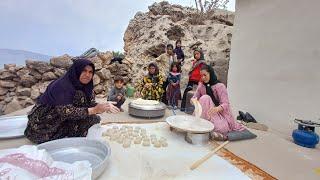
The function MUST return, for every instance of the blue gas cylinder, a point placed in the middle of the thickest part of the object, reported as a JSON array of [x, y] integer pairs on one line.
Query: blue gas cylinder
[[305, 136]]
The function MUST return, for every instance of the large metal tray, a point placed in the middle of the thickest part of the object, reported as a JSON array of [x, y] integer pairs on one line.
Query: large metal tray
[[71, 150], [12, 126]]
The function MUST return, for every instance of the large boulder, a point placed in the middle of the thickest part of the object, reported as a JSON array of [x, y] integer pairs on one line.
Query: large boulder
[[7, 84], [59, 72], [97, 62], [3, 91], [35, 74], [106, 57], [98, 89], [104, 74], [35, 93], [8, 99], [21, 91], [26, 102], [28, 80], [12, 93], [7, 75], [14, 105], [63, 61], [9, 66], [23, 71], [49, 76], [40, 66], [96, 80]]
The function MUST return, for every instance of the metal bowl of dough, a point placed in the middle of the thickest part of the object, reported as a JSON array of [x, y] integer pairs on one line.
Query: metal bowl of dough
[[70, 150], [147, 111], [12, 126]]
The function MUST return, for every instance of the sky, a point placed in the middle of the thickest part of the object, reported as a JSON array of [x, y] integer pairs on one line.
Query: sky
[[56, 27]]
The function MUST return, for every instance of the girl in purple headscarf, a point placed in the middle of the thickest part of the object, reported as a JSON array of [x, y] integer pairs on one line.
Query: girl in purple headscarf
[[67, 108]]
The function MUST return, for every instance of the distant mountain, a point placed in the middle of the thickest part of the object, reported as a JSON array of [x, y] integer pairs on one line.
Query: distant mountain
[[19, 57]]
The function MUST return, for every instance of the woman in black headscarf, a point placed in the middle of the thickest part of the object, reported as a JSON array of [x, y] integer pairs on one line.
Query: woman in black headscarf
[[67, 108], [213, 98]]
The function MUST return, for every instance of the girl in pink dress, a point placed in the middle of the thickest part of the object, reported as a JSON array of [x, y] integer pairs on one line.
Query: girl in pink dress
[[213, 97]]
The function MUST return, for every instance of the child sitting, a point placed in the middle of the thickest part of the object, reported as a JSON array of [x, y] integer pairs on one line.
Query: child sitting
[[118, 92], [173, 92]]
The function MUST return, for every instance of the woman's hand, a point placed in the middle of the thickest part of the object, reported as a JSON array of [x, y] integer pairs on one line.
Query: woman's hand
[[101, 108], [111, 108], [214, 110], [98, 109], [192, 100]]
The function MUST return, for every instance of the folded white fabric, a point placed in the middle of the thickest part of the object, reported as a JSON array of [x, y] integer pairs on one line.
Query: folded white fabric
[[28, 162]]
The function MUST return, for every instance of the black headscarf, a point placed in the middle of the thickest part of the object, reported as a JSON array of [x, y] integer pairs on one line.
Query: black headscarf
[[62, 90], [153, 77], [213, 80]]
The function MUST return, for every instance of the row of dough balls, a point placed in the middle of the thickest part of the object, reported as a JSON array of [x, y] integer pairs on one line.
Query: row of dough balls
[[126, 135]]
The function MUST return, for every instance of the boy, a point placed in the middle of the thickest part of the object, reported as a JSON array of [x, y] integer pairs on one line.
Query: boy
[[118, 92]]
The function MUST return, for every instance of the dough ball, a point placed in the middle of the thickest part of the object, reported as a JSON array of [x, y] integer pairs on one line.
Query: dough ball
[[135, 134], [126, 144], [136, 131], [146, 143], [137, 128], [157, 144], [113, 138], [153, 136], [137, 141], [146, 139], [143, 136], [144, 131], [164, 144], [162, 139], [153, 140], [120, 140]]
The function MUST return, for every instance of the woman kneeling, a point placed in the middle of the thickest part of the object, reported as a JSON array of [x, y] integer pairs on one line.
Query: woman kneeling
[[213, 97]]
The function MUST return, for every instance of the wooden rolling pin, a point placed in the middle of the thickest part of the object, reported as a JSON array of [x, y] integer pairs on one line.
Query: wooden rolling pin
[[202, 160]]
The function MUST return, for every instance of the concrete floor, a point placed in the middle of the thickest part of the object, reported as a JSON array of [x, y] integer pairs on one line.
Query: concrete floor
[[270, 151]]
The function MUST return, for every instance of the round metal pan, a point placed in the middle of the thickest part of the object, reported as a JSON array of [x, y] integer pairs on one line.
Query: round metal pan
[[71, 150], [188, 123], [160, 106], [147, 111], [12, 126]]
